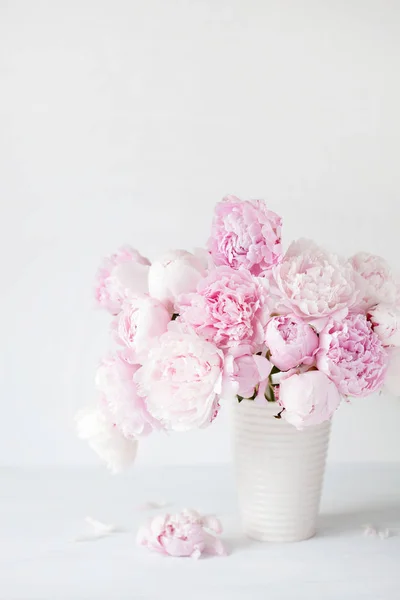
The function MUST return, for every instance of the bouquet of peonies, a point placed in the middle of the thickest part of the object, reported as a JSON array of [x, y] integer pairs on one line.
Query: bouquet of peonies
[[303, 329]]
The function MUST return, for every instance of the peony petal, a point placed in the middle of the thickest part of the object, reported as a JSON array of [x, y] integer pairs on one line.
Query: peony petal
[[264, 367]]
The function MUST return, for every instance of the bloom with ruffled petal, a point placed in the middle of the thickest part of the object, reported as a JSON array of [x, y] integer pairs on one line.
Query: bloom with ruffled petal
[[119, 396], [182, 534], [245, 234], [308, 398], [377, 282], [290, 341], [352, 356], [385, 321], [314, 284], [181, 380], [176, 272], [139, 324], [123, 273], [228, 308]]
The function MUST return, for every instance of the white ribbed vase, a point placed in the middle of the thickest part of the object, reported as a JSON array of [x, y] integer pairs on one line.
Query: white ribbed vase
[[279, 473]]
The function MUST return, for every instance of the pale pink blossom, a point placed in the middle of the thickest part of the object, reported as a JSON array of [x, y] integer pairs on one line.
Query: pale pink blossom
[[139, 325], [352, 356], [97, 428], [228, 308], [176, 272], [376, 281], [308, 398], [181, 380], [119, 396], [243, 371], [385, 321], [313, 284], [392, 379], [184, 534], [245, 234], [123, 273], [290, 341]]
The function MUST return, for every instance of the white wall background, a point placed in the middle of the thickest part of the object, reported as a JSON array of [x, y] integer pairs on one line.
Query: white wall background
[[125, 121]]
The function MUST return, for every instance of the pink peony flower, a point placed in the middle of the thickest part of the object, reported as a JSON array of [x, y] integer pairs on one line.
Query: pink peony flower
[[120, 398], [245, 234], [385, 321], [291, 342], [392, 380], [314, 284], [181, 380], [243, 371], [352, 356], [308, 398], [377, 283], [176, 272], [120, 275], [183, 534], [139, 325], [227, 309], [95, 426]]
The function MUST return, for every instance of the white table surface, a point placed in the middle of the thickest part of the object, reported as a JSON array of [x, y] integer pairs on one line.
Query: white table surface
[[43, 510]]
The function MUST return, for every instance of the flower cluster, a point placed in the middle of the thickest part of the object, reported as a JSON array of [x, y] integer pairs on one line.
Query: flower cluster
[[242, 320]]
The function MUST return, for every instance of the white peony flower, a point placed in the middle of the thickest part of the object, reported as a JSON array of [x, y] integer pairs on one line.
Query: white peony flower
[[376, 280], [123, 273], [308, 398], [105, 439], [385, 320], [120, 398], [181, 380], [314, 284], [176, 272], [139, 324]]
